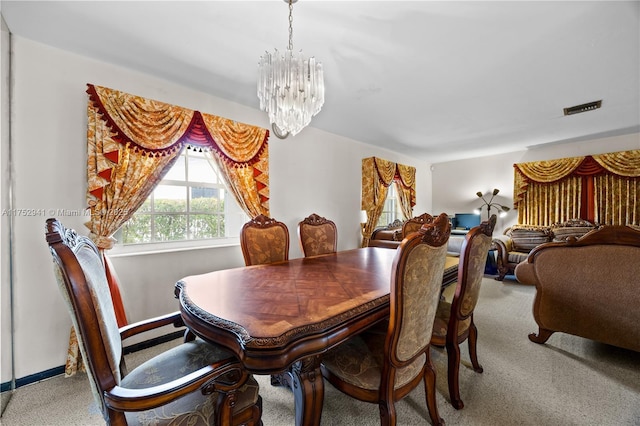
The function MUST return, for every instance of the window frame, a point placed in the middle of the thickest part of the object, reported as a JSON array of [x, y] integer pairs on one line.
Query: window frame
[[396, 213], [234, 217]]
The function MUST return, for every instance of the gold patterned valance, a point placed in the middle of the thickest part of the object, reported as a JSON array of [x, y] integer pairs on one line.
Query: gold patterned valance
[[377, 173], [152, 128], [549, 171], [622, 163], [603, 188]]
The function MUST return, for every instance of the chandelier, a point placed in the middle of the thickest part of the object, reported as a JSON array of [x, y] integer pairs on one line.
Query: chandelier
[[290, 87]]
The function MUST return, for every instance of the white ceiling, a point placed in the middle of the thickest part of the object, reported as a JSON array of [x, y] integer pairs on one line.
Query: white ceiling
[[434, 80]]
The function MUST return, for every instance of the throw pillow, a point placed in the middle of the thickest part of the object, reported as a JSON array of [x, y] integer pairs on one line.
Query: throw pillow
[[526, 237], [562, 231]]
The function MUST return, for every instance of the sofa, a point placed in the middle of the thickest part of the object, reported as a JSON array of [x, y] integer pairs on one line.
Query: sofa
[[517, 241], [587, 287], [389, 236], [392, 235]]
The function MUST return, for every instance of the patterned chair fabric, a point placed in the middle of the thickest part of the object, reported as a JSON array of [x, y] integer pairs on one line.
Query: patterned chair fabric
[[317, 236], [382, 365], [222, 395], [415, 223], [264, 240], [454, 320]]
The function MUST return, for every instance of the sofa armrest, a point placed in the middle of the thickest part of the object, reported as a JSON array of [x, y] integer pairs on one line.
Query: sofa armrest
[[503, 245], [525, 273]]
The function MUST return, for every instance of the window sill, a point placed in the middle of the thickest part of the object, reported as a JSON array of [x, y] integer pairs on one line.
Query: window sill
[[161, 248]]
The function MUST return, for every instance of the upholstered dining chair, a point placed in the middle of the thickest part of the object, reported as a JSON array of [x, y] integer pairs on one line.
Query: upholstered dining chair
[[382, 366], [454, 320], [415, 223], [264, 240], [317, 235], [193, 383]]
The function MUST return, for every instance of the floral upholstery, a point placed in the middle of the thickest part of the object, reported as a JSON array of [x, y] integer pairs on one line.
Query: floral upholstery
[[93, 268], [191, 410], [441, 321], [60, 279], [415, 223], [421, 292], [317, 235], [99, 287], [475, 273], [359, 362], [453, 322], [81, 277], [265, 245], [264, 240], [382, 364]]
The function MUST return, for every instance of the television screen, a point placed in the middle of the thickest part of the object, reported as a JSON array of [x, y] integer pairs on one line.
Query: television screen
[[466, 220]]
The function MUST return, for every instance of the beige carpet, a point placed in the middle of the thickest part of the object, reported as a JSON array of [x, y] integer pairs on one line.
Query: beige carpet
[[568, 381]]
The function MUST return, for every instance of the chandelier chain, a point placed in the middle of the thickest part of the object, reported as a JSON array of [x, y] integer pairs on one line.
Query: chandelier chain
[[291, 25]]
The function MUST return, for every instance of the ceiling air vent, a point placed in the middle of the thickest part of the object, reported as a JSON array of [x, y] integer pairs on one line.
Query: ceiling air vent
[[583, 108]]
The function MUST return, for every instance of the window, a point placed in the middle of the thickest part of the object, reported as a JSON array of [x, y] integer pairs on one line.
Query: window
[[191, 203], [391, 210]]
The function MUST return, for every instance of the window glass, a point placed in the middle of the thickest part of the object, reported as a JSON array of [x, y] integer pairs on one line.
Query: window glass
[[188, 204], [391, 210]]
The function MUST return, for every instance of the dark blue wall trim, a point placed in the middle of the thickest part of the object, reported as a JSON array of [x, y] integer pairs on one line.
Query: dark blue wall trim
[[56, 371]]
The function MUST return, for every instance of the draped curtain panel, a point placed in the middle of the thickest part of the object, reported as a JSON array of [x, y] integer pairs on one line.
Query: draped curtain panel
[[406, 186], [601, 188], [377, 176], [132, 142]]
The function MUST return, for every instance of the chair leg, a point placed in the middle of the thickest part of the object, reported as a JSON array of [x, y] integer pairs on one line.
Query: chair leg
[[472, 341], [502, 272], [386, 403], [430, 391], [387, 412], [453, 369]]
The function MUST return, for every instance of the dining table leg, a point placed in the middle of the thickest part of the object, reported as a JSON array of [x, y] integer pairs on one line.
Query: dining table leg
[[308, 390]]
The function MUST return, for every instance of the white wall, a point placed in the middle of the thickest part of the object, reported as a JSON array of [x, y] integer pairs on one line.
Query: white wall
[[5, 291], [455, 183], [312, 172]]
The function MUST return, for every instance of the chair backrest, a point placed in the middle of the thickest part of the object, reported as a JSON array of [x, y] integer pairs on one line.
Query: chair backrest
[[473, 259], [317, 235], [416, 282], [264, 240], [79, 270], [415, 223]]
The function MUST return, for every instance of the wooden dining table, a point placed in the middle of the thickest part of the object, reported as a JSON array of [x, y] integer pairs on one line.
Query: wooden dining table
[[279, 318]]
